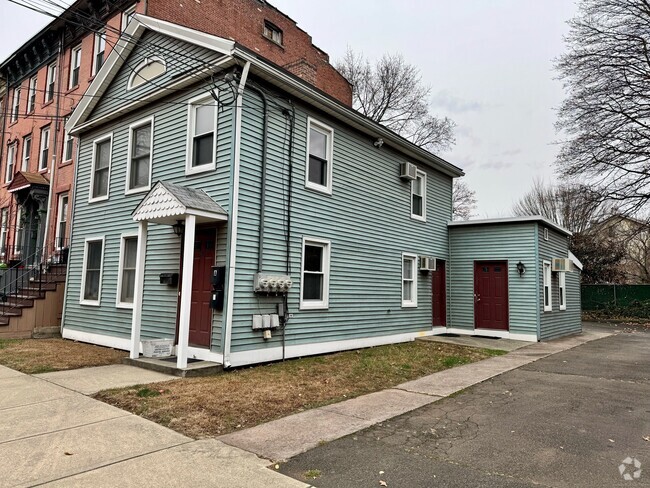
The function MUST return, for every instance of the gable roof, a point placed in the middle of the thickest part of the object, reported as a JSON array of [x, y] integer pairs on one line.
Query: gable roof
[[280, 77], [167, 201]]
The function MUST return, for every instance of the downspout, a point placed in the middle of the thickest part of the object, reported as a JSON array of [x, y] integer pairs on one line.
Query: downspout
[[57, 120], [234, 210], [288, 237], [260, 257], [75, 177]]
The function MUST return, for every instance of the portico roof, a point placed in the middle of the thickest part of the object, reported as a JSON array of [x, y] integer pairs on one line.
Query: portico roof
[[23, 180], [167, 203]]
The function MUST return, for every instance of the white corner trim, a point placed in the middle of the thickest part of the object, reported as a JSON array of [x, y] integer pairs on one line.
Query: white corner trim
[[234, 211], [99, 339], [136, 125], [254, 356]]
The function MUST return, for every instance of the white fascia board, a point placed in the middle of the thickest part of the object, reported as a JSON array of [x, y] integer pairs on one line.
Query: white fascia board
[[511, 220]]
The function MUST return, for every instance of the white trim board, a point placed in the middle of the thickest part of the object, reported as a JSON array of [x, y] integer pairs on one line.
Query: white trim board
[[121, 343], [502, 334], [204, 354], [255, 356]]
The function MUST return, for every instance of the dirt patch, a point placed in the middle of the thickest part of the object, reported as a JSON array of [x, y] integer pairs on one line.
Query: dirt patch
[[216, 405], [34, 356]]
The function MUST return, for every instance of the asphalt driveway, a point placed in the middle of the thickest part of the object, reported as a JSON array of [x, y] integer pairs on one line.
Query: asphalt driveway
[[568, 420]]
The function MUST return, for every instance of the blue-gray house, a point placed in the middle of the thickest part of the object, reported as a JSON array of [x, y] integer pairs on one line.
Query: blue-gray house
[[226, 204]]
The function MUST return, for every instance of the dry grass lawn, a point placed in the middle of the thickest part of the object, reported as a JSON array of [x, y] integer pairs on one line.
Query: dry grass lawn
[[215, 405], [34, 356]]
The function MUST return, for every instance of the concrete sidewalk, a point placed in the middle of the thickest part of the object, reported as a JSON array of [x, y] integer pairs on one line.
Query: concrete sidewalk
[[51, 435], [287, 437]]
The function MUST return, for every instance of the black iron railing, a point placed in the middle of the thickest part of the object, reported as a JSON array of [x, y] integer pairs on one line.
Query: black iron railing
[[26, 277]]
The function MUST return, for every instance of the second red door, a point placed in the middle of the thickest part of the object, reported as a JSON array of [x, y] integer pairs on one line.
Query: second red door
[[491, 295]]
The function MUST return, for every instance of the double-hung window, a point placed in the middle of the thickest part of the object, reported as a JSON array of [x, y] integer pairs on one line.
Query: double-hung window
[[92, 271], [318, 174], [75, 64], [45, 149], [138, 172], [419, 196], [272, 32], [68, 146], [315, 274], [62, 221], [126, 276], [202, 130], [127, 15], [101, 170], [548, 297], [27, 151], [31, 98], [409, 281], [562, 289], [11, 161], [99, 50], [15, 104], [4, 225], [50, 82]]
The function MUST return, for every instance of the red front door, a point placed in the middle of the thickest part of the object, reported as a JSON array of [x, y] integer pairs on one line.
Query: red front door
[[491, 295], [439, 295], [201, 313]]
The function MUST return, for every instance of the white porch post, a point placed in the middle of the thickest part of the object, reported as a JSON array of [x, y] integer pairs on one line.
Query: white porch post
[[138, 290], [186, 293]]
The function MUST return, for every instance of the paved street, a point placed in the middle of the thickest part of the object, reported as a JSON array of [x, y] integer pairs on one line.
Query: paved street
[[567, 420]]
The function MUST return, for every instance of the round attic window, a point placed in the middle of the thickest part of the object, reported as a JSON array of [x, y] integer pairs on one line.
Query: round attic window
[[147, 70]]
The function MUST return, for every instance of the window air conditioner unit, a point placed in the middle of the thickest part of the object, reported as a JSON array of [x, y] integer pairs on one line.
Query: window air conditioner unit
[[427, 263], [561, 264], [408, 171]]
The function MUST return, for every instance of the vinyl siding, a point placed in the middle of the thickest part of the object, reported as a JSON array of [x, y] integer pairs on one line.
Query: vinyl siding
[[112, 217], [153, 44], [366, 219], [506, 242], [558, 322]]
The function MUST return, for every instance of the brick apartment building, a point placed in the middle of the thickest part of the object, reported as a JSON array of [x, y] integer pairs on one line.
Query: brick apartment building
[[44, 80]]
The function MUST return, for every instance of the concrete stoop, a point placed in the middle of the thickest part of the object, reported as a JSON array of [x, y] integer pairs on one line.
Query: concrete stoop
[[168, 366]]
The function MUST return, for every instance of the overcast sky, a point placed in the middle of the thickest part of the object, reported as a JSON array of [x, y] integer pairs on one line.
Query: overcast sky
[[489, 64]]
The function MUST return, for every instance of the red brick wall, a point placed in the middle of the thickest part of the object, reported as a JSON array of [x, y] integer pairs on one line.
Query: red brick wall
[[243, 22]]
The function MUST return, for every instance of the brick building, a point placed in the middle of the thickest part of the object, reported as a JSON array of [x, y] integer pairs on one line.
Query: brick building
[[44, 80]]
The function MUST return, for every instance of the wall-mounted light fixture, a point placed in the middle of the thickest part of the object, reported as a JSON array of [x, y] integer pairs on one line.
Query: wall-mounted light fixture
[[179, 228], [378, 143], [521, 269]]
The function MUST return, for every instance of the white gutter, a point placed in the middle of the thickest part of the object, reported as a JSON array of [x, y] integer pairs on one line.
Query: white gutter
[[234, 211]]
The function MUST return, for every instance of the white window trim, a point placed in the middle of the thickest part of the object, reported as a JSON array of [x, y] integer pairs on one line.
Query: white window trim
[[132, 127], [15, 105], [145, 62], [67, 137], [4, 230], [82, 300], [31, 94], [125, 15], [423, 217], [59, 214], [72, 67], [547, 281], [43, 165], [409, 303], [330, 156], [327, 249], [99, 35], [24, 165], [189, 169], [9, 175], [118, 295], [50, 79], [562, 289], [97, 141]]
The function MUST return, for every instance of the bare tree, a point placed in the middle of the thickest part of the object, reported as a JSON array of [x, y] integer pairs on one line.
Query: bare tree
[[606, 112], [391, 92], [463, 201], [574, 207]]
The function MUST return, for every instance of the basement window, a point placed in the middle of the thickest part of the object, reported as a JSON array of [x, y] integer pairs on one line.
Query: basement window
[[273, 32]]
